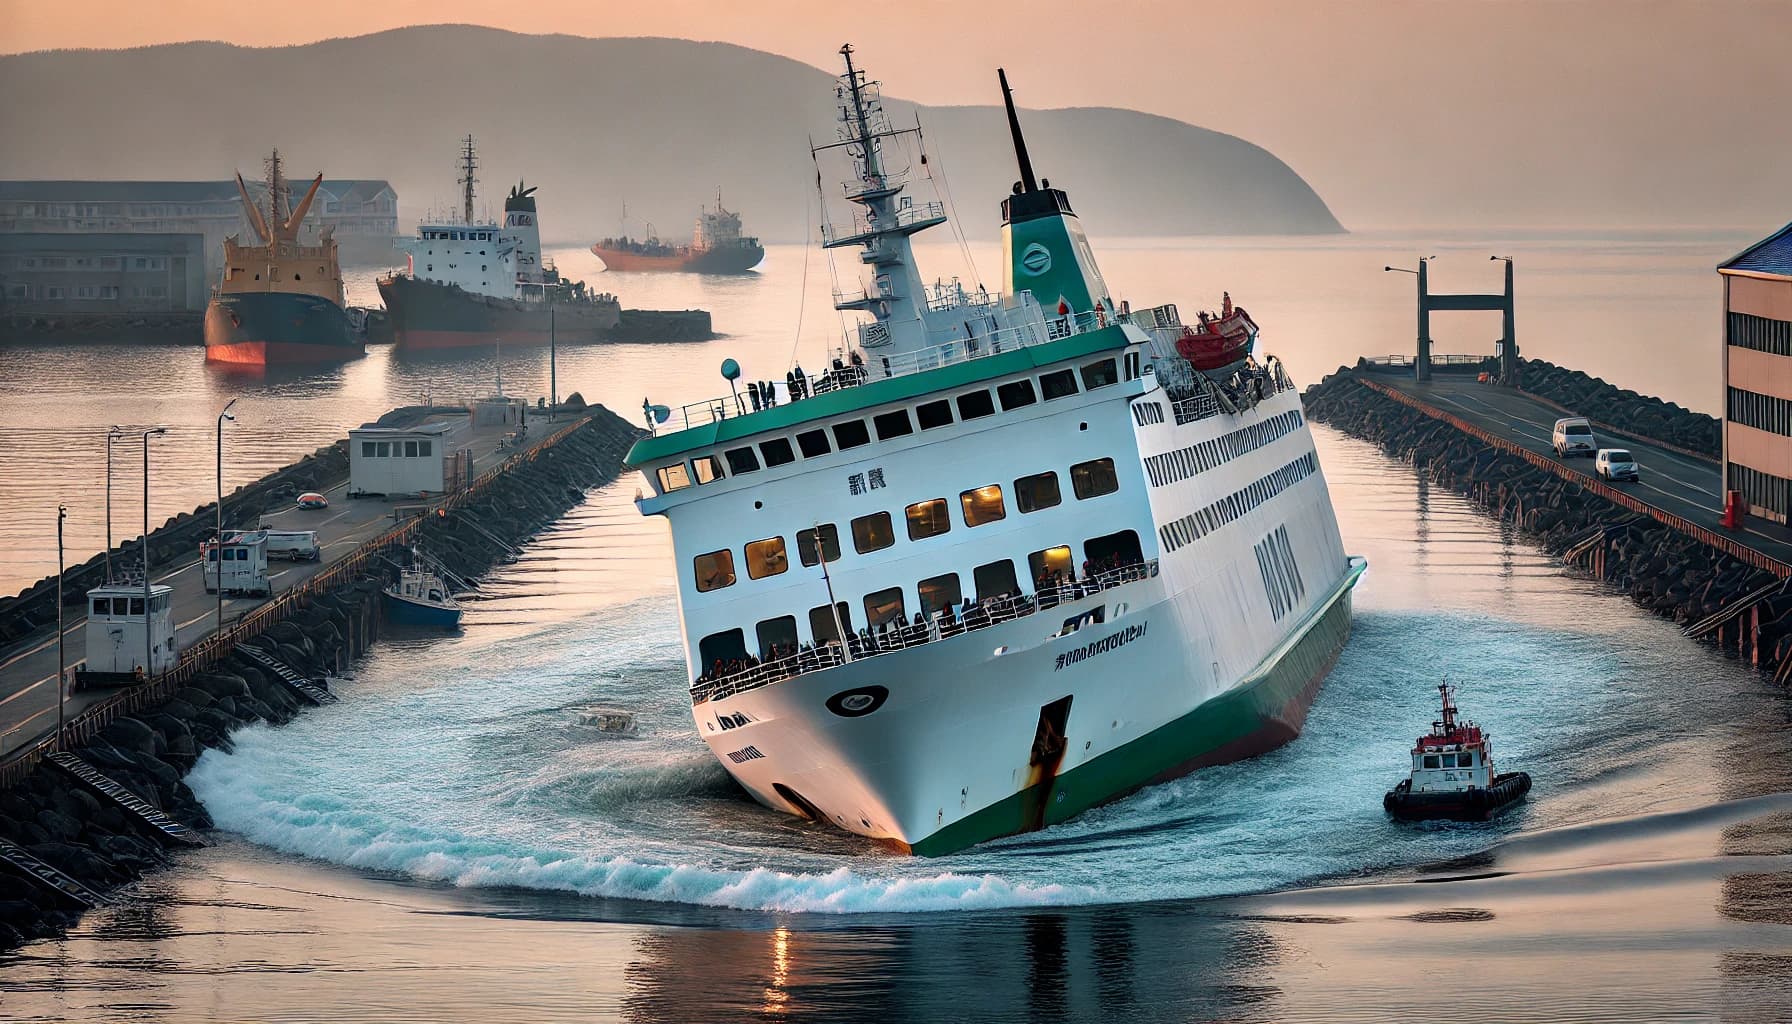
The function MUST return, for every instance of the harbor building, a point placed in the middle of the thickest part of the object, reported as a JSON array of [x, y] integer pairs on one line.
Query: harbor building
[[1758, 375], [421, 459], [364, 213], [103, 272]]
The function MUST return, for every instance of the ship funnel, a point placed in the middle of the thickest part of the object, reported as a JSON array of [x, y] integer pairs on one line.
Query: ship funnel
[[523, 233], [1044, 250]]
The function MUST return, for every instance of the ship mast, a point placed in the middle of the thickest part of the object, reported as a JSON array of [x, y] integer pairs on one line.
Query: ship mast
[[279, 193], [468, 164]]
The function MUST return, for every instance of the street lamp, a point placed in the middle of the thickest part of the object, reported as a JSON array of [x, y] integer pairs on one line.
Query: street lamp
[[113, 433], [218, 541], [148, 661], [1422, 361], [61, 658]]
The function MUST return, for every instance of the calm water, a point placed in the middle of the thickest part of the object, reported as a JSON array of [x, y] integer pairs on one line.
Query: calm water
[[449, 844]]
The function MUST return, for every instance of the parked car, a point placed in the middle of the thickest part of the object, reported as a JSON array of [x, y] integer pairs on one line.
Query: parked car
[[293, 545], [1573, 436], [1615, 464], [312, 499]]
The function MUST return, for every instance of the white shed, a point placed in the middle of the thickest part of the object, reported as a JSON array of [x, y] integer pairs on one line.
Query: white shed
[[401, 460], [115, 628]]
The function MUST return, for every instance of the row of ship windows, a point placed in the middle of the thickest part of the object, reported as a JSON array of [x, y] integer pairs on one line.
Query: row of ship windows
[[460, 236], [876, 531], [1197, 458], [1763, 412], [1202, 522], [936, 594], [1760, 333], [1281, 574], [1147, 413], [850, 434]]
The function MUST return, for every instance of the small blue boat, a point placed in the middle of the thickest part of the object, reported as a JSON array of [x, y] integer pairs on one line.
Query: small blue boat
[[420, 598]]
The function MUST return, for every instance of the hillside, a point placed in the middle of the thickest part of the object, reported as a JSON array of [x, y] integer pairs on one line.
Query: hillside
[[656, 123]]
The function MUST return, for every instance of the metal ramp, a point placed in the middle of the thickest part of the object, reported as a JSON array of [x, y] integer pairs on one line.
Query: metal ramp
[[27, 863], [312, 691], [116, 792]]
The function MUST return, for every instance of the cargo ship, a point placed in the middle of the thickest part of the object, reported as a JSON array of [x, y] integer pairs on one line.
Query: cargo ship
[[717, 247], [472, 283], [279, 302]]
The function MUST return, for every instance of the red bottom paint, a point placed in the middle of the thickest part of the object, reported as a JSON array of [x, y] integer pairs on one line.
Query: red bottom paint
[[277, 353]]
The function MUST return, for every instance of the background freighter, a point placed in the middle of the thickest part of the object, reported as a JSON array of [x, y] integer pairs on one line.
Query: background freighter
[[279, 302], [717, 247], [470, 284]]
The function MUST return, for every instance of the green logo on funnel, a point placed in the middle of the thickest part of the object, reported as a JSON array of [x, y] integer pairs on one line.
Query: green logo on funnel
[[1036, 260]]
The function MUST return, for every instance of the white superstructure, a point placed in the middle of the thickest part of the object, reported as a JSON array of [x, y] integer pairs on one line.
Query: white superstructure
[[1064, 564], [475, 256]]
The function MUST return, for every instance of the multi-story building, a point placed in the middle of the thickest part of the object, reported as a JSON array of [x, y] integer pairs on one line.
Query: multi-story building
[[1758, 375], [102, 272], [363, 213]]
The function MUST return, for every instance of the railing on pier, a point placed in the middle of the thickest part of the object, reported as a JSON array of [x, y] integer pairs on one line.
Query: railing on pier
[[943, 625], [206, 654]]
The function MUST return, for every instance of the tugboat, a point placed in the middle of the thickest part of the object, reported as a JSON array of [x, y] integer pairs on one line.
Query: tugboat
[[1452, 774], [420, 598]]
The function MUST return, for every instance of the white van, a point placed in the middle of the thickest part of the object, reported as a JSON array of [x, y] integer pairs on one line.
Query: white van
[[294, 545], [1615, 464], [1573, 436]]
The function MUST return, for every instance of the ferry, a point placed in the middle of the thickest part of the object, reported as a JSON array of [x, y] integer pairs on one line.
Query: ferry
[[1010, 557], [279, 302], [471, 283], [1453, 775]]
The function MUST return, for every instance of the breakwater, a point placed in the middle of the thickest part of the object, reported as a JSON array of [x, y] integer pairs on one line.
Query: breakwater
[[147, 737], [1715, 586]]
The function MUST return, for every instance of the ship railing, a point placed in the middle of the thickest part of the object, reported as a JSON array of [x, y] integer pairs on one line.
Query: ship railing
[[893, 636], [863, 227], [871, 183]]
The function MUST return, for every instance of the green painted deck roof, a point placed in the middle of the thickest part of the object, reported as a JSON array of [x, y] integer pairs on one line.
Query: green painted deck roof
[[848, 400]]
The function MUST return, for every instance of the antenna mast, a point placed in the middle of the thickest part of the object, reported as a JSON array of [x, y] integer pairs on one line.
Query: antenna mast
[[468, 164], [1020, 143]]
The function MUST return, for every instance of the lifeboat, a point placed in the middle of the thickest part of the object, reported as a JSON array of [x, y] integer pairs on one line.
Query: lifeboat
[[1219, 339], [1452, 774]]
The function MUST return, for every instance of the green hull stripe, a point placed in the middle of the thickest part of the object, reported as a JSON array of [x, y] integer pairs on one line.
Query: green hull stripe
[[896, 389], [1256, 704]]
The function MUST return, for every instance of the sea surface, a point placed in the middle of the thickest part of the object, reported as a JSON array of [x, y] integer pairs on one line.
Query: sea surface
[[449, 844]]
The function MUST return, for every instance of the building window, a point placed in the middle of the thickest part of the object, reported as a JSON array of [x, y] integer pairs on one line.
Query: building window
[[1016, 393], [821, 622], [741, 460], [975, 404], [779, 633], [934, 414], [382, 449], [766, 558], [1094, 478], [709, 468], [777, 451], [1057, 384], [928, 519], [830, 544], [884, 607], [367, 450], [982, 505], [1050, 565], [813, 443], [1038, 491], [410, 449], [1760, 333], [851, 434], [714, 570], [674, 477], [892, 424], [424, 449], [1099, 375], [939, 593], [873, 532], [995, 579]]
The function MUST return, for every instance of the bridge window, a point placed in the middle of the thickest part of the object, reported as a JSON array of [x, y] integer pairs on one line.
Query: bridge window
[[672, 478], [995, 579], [779, 632], [741, 460], [872, 533], [1038, 491], [1099, 375], [777, 451], [767, 558], [883, 607], [975, 404], [928, 519], [1057, 384], [1015, 394], [1050, 562], [102, 606], [814, 443], [851, 434], [892, 424], [1093, 478], [939, 593], [821, 622], [709, 468], [934, 414], [830, 544], [982, 505], [714, 570]]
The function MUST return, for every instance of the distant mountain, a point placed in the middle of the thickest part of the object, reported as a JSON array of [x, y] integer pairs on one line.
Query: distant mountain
[[658, 124]]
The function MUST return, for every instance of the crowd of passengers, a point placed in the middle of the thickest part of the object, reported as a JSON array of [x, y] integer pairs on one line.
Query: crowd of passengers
[[782, 661], [763, 394]]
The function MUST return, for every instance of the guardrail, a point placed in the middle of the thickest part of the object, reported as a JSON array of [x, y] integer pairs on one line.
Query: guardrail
[[1741, 552], [208, 652]]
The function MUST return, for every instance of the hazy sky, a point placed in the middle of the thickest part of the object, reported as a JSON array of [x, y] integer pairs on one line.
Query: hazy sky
[[1398, 111]]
